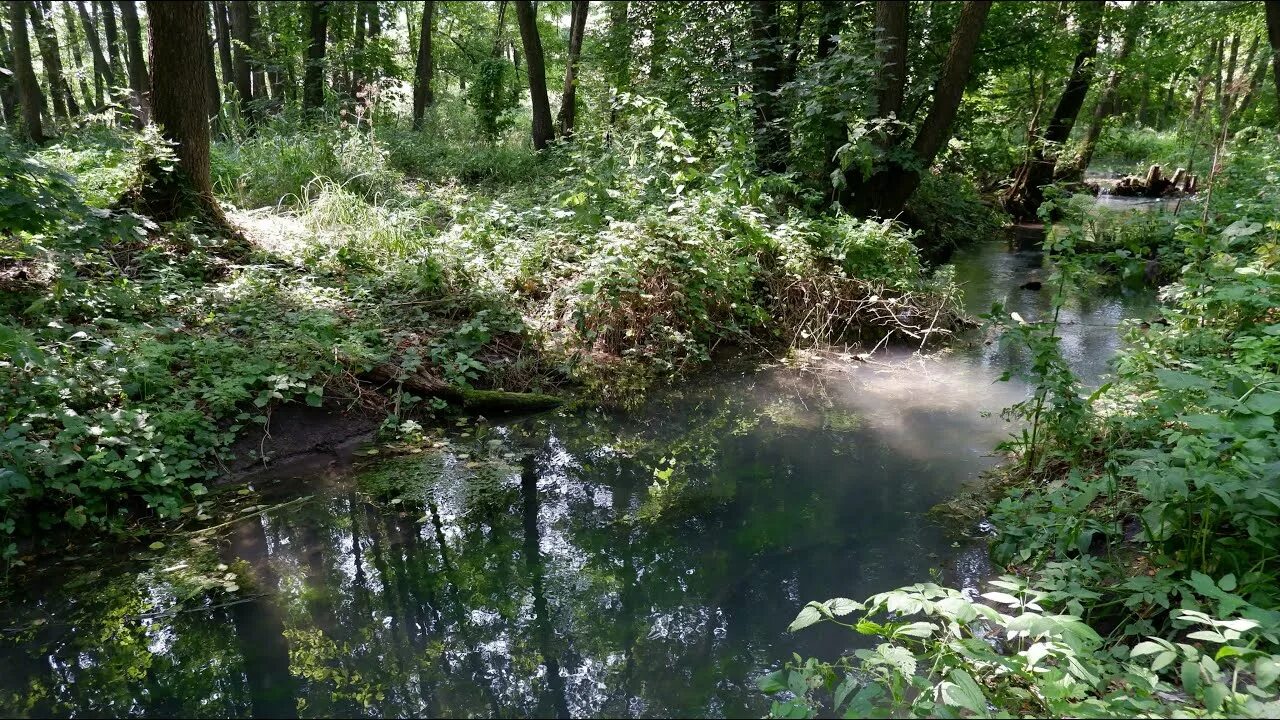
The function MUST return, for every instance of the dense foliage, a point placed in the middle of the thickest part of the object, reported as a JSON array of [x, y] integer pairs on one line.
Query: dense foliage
[[373, 232]]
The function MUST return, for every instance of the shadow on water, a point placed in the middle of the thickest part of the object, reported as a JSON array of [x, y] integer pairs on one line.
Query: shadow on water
[[579, 563]]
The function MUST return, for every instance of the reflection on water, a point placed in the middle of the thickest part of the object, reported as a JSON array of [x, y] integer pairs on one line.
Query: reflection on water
[[580, 563]]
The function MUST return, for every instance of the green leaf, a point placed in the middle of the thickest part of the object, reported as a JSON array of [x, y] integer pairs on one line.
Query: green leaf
[[843, 606], [808, 616], [773, 682], [849, 684], [1263, 403], [157, 545], [964, 692]]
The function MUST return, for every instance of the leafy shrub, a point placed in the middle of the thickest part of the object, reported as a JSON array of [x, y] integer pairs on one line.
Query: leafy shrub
[[948, 213]]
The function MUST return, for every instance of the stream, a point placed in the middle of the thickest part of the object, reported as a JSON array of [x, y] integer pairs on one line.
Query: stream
[[580, 563]]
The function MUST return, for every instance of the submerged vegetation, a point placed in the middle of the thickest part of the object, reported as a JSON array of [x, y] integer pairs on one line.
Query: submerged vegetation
[[367, 207]]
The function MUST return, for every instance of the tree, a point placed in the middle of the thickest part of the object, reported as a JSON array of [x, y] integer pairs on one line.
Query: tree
[[891, 53], [8, 88], [64, 102], [569, 98], [618, 41], [241, 71], [313, 80], [137, 65], [29, 96], [107, 11], [73, 40], [766, 83], [222, 32], [1105, 105], [422, 77], [104, 76], [542, 127], [1026, 193], [1273, 36], [886, 192], [179, 50]]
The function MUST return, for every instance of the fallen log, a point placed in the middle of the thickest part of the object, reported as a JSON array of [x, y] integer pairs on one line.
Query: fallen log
[[425, 384]]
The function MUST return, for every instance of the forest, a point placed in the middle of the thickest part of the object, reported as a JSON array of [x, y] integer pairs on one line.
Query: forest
[[563, 358]]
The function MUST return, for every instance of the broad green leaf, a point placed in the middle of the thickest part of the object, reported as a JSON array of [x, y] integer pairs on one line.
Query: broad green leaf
[[808, 616]]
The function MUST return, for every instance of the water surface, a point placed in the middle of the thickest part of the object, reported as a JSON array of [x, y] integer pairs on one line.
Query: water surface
[[576, 563]]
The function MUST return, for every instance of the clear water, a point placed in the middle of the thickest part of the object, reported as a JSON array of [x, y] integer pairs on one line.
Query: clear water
[[551, 566]]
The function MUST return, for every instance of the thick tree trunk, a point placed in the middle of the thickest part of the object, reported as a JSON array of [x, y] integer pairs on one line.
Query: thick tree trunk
[[766, 81], [104, 75], [1273, 36], [137, 65], [835, 132], [73, 39], [542, 127], [115, 53], [423, 95], [211, 83], [1106, 99], [569, 98], [222, 33], [257, 48], [241, 66], [313, 80], [1025, 196], [891, 57], [64, 103], [8, 87], [618, 42], [887, 191], [29, 96], [179, 45]]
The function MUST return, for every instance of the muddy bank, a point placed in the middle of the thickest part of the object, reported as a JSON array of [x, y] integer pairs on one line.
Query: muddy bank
[[299, 440]]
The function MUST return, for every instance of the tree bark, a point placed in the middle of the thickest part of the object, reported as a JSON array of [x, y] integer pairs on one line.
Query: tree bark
[[891, 57], [569, 98], [1273, 36], [256, 50], [91, 99], [1026, 194], [30, 98], [835, 132], [8, 88], [542, 127], [107, 11], [888, 190], [64, 103], [619, 46], [241, 67], [313, 80], [766, 82], [423, 95], [104, 75], [211, 82], [137, 65], [1106, 99], [179, 45], [222, 31]]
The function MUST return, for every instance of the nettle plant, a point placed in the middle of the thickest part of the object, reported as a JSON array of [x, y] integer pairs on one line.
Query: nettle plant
[[936, 652]]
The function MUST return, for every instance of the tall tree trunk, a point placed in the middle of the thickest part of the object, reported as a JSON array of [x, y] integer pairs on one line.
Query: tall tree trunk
[[542, 128], [313, 81], [8, 87], [423, 95], [107, 12], [1106, 99], [891, 57], [29, 96], [1228, 90], [51, 58], [1025, 196], [104, 75], [569, 98], [835, 131], [211, 83], [1255, 83], [179, 45], [766, 81], [73, 40], [222, 31], [1273, 36], [888, 190], [241, 67], [137, 65], [256, 50], [618, 42], [358, 49]]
